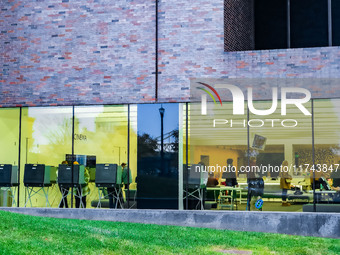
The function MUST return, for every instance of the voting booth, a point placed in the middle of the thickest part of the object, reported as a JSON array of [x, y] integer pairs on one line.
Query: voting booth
[[8, 176], [109, 176], [9, 181], [37, 176], [71, 176], [196, 177]]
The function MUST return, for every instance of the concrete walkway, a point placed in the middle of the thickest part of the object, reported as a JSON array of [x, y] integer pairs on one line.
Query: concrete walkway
[[293, 223]]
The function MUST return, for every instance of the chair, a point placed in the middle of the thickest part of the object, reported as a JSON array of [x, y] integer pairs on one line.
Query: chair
[[227, 196]]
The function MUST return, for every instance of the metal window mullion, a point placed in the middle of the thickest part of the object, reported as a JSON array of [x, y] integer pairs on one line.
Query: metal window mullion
[[156, 50], [186, 156], [128, 158], [330, 38], [72, 177], [313, 155], [248, 157], [19, 156]]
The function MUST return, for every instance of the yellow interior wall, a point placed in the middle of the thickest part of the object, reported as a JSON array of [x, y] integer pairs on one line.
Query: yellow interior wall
[[9, 128], [218, 155]]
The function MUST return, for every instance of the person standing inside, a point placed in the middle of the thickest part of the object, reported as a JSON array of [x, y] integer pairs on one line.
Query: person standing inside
[[230, 174], [285, 181], [64, 191], [112, 192], [255, 185], [82, 191], [126, 175]]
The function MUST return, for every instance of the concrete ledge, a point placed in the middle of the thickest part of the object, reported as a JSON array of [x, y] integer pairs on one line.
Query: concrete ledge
[[306, 224]]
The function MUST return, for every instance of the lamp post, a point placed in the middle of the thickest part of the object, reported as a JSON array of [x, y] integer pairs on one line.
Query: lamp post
[[161, 112]]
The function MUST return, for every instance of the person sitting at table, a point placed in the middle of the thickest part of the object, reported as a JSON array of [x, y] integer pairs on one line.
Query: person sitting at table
[[230, 176], [320, 179], [320, 182], [212, 180], [335, 176]]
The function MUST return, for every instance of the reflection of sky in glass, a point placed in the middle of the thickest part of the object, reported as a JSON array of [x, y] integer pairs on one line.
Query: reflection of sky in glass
[[86, 117], [133, 117], [47, 120], [149, 120], [50, 119]]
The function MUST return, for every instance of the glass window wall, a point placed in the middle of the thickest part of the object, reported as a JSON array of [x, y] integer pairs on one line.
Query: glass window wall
[[46, 137], [218, 144], [135, 156], [157, 155], [100, 139], [281, 150], [327, 151]]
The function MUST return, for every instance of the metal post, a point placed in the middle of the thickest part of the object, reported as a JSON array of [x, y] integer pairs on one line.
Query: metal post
[[19, 156], [162, 134], [26, 149], [119, 155], [72, 177], [248, 157], [313, 150], [186, 156], [128, 158]]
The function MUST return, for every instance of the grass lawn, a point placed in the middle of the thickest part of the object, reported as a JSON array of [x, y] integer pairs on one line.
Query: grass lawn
[[22, 234]]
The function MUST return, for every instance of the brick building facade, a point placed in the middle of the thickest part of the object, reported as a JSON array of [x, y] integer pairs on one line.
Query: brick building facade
[[103, 52]]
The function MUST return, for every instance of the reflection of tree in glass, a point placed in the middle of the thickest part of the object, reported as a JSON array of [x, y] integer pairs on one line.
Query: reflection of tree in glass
[[147, 146], [62, 135], [174, 141], [60, 143]]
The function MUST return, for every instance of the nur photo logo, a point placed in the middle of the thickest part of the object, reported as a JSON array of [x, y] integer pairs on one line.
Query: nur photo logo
[[282, 96]]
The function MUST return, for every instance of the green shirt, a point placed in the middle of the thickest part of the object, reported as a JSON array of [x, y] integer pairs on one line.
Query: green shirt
[[125, 175]]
